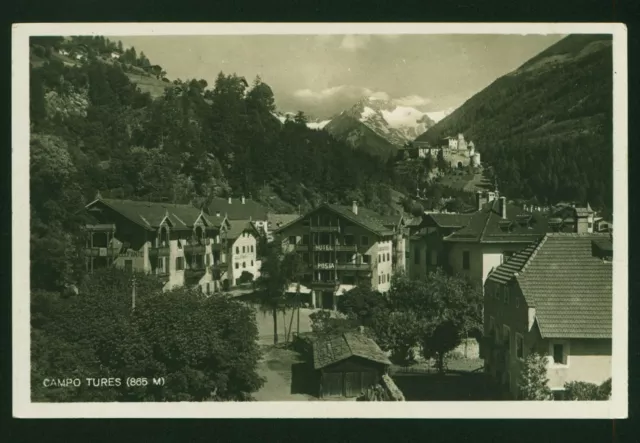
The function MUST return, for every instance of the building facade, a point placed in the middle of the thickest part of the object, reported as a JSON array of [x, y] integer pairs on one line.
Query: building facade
[[344, 247], [177, 243], [243, 265], [555, 298]]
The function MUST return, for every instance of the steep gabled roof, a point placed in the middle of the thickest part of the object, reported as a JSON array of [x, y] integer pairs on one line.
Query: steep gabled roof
[[445, 220], [236, 210], [488, 226], [150, 215], [330, 350], [368, 219], [277, 220], [237, 227], [563, 277]]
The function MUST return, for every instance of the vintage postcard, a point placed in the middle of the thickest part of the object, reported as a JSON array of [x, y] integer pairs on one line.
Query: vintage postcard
[[320, 220]]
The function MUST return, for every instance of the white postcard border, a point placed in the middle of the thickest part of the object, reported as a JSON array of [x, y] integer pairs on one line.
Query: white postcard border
[[616, 407]]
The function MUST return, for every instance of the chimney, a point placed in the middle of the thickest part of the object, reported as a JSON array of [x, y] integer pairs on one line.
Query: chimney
[[243, 199], [354, 207], [503, 207], [229, 200]]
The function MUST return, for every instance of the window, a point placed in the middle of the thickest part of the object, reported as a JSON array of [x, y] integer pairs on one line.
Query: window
[[237, 250], [558, 354], [506, 255], [388, 256], [292, 240], [416, 256], [244, 264], [364, 240], [179, 263], [128, 265], [519, 346], [506, 336], [251, 262], [349, 240], [366, 259], [251, 248], [379, 279], [305, 239], [434, 257], [161, 264], [465, 260], [207, 260], [505, 295], [492, 326], [237, 265], [590, 225], [517, 300]]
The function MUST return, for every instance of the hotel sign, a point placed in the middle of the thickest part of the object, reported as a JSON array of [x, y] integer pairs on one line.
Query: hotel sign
[[323, 248], [325, 265], [131, 253]]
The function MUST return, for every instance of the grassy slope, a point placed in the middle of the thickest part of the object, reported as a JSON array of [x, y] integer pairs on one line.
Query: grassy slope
[[561, 92]]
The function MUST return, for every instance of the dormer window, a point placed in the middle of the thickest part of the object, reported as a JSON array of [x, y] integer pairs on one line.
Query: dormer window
[[505, 225]]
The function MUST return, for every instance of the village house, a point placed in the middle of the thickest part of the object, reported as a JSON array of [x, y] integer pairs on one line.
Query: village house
[[569, 218], [492, 234], [426, 251], [241, 241], [178, 243], [347, 364], [276, 221], [240, 209], [344, 247], [553, 297]]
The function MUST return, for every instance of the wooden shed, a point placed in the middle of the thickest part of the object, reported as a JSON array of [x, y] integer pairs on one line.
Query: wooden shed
[[347, 364]]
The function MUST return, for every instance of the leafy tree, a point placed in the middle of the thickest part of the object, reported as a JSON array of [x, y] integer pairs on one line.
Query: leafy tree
[[205, 346], [278, 270], [533, 378], [397, 332], [324, 323], [360, 304]]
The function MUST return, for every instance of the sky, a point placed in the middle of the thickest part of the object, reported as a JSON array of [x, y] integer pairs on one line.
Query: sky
[[325, 74]]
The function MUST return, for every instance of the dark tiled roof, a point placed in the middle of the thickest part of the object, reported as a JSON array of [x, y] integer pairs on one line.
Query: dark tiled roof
[[237, 227], [365, 217], [450, 220], [485, 226], [569, 286], [277, 220], [250, 210], [327, 351], [151, 214]]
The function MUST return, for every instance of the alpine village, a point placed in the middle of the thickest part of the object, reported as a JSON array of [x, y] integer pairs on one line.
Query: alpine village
[[196, 233]]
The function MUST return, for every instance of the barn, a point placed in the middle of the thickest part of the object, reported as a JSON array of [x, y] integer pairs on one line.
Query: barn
[[347, 364]]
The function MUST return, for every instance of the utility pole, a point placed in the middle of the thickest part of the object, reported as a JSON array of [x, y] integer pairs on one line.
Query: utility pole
[[133, 293]]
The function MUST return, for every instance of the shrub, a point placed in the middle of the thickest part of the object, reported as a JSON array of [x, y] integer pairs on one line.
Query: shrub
[[584, 391], [533, 378]]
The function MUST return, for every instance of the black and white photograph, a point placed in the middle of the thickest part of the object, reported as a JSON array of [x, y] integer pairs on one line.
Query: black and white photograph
[[223, 215]]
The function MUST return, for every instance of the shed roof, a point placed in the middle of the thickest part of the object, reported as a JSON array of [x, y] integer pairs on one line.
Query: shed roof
[[564, 277], [330, 350]]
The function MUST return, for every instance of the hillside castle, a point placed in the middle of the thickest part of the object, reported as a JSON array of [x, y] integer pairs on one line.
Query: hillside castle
[[455, 150]]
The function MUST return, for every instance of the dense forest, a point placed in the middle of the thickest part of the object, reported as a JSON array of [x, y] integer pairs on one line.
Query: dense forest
[[546, 128], [92, 129]]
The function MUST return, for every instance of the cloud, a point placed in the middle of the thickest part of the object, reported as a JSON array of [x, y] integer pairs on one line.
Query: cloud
[[354, 42], [412, 100], [308, 94], [376, 95]]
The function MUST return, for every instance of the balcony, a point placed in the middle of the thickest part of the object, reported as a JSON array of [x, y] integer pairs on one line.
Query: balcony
[[194, 249], [301, 248], [347, 248], [193, 275], [324, 228], [163, 251], [101, 252], [324, 284], [354, 267], [216, 246]]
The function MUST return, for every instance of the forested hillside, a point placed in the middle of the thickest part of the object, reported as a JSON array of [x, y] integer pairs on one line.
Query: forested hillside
[[546, 128], [92, 129]]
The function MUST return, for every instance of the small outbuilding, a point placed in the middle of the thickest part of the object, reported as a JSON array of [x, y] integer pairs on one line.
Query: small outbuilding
[[347, 364]]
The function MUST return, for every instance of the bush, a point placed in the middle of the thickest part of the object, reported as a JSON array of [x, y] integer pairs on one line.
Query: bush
[[584, 391], [533, 378]]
